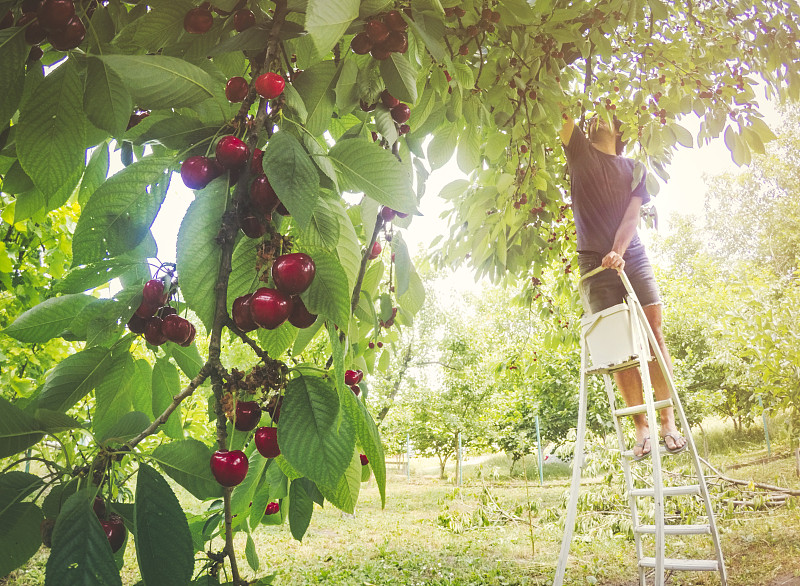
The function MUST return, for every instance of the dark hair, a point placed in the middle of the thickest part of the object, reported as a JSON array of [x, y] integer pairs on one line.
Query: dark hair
[[620, 144]]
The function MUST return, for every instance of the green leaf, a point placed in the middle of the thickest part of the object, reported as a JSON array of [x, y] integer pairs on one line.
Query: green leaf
[[81, 553], [106, 100], [186, 462], [158, 81], [163, 541], [244, 278], [161, 26], [346, 87], [312, 436], [13, 53], [402, 263], [344, 495], [442, 146], [114, 394], [50, 134], [364, 166], [327, 20], [15, 486], [73, 378], [316, 86], [348, 248], [188, 359], [119, 214], [167, 384], [400, 77], [276, 342], [98, 273], [329, 294], [125, 428], [370, 440], [94, 174], [293, 176], [48, 319], [251, 554], [178, 132], [143, 390], [18, 430], [683, 136], [430, 28], [198, 253], [323, 229], [301, 507], [244, 493], [385, 124], [414, 298]]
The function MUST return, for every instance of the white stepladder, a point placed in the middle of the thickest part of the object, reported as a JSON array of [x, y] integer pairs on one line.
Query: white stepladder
[[618, 338]]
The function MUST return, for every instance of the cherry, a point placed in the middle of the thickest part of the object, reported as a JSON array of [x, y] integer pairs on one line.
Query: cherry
[[252, 227], [176, 329], [401, 113], [388, 99], [361, 44], [55, 14], [269, 308], [272, 508], [364, 459], [257, 162], [376, 251], [243, 20], [137, 324], [192, 332], [356, 390], [388, 214], [163, 312], [137, 117], [404, 129], [248, 414], [232, 152], [367, 107], [300, 316], [198, 20], [376, 31], [153, 293], [267, 442], [199, 171], [153, 332], [293, 273], [380, 53], [99, 507], [270, 85], [34, 33], [396, 42], [236, 89], [241, 314], [281, 209], [263, 198], [7, 20], [30, 6], [145, 311], [115, 532], [352, 377], [394, 20], [229, 468]]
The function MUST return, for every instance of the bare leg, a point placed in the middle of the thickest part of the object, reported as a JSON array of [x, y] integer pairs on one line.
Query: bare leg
[[630, 387]]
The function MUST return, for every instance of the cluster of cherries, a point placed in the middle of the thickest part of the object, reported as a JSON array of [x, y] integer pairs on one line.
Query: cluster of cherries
[[157, 321], [269, 308], [352, 378], [200, 19], [484, 24], [269, 85], [112, 524], [383, 35], [53, 20]]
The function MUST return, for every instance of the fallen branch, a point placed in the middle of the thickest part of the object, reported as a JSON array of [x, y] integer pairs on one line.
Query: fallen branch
[[760, 485]]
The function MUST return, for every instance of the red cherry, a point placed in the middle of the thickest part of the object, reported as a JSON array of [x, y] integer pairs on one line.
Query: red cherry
[[163, 312], [236, 89], [115, 532], [352, 377], [153, 333], [300, 316], [7, 20], [198, 171], [404, 129], [192, 332], [293, 273], [28, 6], [243, 20], [388, 99], [356, 390], [388, 214], [380, 53], [281, 209], [229, 468], [252, 227], [361, 44], [248, 414], [232, 152], [376, 31], [364, 459], [153, 293], [99, 507], [146, 310], [34, 33], [396, 42], [257, 162], [272, 508], [267, 442], [55, 14], [241, 314], [269, 308], [394, 20], [376, 251], [198, 20], [401, 113], [176, 329], [263, 198], [270, 85], [137, 324]]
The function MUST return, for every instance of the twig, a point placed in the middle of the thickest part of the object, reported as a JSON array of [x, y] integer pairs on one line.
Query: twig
[[760, 485], [364, 260], [231, 325]]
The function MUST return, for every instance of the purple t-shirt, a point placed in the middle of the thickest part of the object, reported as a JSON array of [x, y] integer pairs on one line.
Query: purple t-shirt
[[600, 185]]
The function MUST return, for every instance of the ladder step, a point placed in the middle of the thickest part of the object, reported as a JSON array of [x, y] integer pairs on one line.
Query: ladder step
[[682, 565], [676, 529], [689, 489], [641, 408], [661, 449]]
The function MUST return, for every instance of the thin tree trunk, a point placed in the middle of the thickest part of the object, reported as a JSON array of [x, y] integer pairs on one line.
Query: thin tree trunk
[[396, 388]]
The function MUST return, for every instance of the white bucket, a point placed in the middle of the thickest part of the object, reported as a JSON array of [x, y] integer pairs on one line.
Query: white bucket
[[609, 335]]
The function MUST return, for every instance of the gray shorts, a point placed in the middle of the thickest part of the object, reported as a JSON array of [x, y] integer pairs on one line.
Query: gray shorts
[[605, 289]]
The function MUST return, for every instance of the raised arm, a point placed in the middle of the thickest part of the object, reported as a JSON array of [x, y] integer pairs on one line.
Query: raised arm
[[567, 128], [624, 235]]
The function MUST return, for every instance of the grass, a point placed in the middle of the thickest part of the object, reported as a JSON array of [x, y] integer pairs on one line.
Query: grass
[[434, 533]]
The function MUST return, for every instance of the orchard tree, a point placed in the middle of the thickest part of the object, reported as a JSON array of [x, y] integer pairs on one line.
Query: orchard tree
[[273, 112]]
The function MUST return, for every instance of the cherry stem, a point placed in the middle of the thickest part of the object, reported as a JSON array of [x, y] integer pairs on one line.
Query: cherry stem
[[364, 259]]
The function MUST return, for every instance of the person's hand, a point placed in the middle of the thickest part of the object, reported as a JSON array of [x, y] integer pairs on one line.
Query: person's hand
[[613, 260]]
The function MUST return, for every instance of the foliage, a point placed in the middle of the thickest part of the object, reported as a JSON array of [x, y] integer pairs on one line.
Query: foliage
[[146, 88]]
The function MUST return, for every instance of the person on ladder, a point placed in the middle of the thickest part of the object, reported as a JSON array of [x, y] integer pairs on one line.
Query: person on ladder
[[605, 205]]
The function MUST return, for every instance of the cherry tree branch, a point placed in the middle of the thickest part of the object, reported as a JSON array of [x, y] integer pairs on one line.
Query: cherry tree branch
[[364, 260]]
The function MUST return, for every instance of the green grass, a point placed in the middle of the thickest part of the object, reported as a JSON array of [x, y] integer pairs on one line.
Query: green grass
[[434, 533]]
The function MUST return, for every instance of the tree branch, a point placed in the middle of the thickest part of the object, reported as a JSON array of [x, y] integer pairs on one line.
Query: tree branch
[[760, 485], [364, 259]]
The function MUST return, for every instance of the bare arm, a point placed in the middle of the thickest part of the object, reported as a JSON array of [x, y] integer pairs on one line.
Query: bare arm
[[566, 129], [624, 235]]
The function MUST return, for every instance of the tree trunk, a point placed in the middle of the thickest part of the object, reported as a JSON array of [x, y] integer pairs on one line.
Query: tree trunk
[[401, 373]]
